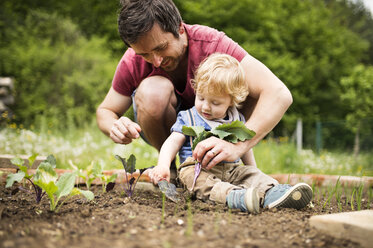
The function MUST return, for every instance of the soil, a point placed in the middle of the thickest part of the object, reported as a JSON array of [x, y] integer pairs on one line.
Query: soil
[[113, 220]]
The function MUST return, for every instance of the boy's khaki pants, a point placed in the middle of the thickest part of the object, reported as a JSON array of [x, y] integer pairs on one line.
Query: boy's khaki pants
[[216, 183]]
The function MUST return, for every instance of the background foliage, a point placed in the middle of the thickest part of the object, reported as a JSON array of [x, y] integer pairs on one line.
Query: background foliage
[[62, 55]]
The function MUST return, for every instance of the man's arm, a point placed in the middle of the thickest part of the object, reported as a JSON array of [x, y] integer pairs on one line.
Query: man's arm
[[111, 122], [268, 99], [267, 102]]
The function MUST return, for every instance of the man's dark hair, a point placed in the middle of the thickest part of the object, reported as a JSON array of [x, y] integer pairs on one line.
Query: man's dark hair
[[138, 17]]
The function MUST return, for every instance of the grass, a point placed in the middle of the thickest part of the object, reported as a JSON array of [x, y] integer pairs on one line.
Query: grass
[[80, 146], [281, 156], [84, 146]]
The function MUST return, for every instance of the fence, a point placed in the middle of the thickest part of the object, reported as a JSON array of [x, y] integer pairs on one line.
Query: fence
[[334, 135]]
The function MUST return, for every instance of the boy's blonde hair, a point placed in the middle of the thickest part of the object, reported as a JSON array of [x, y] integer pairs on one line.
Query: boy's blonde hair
[[221, 74]]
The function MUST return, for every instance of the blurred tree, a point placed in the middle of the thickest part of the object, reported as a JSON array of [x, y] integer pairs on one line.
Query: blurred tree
[[300, 41], [58, 72], [357, 94]]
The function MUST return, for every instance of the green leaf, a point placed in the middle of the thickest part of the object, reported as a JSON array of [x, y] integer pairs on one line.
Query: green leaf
[[45, 173], [52, 160], [131, 164], [65, 184], [112, 178], [236, 128], [193, 131], [16, 177], [87, 194], [97, 169], [221, 134], [204, 135], [32, 158], [123, 160], [17, 161], [231, 132]]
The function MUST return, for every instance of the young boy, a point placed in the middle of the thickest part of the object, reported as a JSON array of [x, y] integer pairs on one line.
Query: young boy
[[220, 88]]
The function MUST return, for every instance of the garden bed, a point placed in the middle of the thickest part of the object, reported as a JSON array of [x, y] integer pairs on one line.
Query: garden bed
[[112, 220]]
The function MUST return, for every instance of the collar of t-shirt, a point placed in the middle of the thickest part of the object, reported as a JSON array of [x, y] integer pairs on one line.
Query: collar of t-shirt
[[232, 115]]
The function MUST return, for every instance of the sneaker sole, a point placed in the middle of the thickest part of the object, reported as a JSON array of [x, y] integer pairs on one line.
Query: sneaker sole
[[296, 197], [252, 200]]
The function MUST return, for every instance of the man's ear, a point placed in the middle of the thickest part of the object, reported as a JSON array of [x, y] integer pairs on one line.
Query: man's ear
[[181, 28]]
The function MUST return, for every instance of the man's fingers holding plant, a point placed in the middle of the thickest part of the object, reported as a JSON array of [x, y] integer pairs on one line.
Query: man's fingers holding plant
[[213, 150], [124, 130]]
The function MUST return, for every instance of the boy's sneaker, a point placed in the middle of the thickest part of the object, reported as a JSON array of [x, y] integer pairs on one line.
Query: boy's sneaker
[[287, 196], [247, 200]]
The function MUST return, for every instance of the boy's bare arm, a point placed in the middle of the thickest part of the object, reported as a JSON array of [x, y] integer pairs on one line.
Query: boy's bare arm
[[168, 152]]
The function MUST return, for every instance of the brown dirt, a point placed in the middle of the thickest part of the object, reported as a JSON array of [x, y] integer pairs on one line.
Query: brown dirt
[[112, 220]]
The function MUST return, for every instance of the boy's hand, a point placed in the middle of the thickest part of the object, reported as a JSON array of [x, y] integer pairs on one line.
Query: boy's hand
[[158, 173]]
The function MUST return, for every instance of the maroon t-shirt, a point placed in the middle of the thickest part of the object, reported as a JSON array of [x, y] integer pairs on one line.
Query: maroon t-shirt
[[202, 41]]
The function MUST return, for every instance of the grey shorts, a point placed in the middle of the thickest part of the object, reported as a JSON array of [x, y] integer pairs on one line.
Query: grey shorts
[[142, 135]]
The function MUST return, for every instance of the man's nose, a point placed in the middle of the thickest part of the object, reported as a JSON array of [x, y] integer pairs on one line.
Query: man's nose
[[157, 60]]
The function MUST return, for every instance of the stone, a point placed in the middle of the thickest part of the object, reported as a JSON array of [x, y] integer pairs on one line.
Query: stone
[[356, 226]]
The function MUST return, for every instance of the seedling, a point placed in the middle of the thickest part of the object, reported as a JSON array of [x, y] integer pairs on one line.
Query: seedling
[[88, 175], [231, 132], [46, 178], [352, 200], [189, 229], [130, 167], [163, 208], [23, 175], [331, 193], [359, 196], [108, 182]]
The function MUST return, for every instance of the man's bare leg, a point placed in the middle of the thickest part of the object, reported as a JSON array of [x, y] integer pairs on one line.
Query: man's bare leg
[[156, 104]]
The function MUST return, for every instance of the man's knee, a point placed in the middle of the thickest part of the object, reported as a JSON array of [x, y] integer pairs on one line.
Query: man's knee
[[154, 95]]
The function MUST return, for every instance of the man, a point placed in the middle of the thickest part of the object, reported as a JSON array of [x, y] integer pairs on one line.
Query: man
[[155, 72]]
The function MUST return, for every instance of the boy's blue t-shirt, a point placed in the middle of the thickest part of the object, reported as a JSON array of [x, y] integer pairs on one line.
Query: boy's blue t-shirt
[[183, 120]]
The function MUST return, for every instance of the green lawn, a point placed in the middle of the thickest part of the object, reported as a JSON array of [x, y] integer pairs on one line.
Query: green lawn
[[84, 146]]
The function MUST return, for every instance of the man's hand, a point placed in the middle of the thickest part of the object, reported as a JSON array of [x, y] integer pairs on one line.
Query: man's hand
[[124, 130], [213, 150], [158, 173]]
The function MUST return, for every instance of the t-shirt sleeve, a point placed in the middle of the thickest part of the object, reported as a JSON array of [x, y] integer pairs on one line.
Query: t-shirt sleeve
[[228, 46], [180, 122], [123, 82]]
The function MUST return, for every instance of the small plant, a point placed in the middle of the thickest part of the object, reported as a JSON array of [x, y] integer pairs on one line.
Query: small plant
[[47, 179], [163, 208], [108, 182], [23, 175], [94, 171], [130, 167], [331, 193], [359, 196], [352, 202], [88, 175], [189, 229]]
